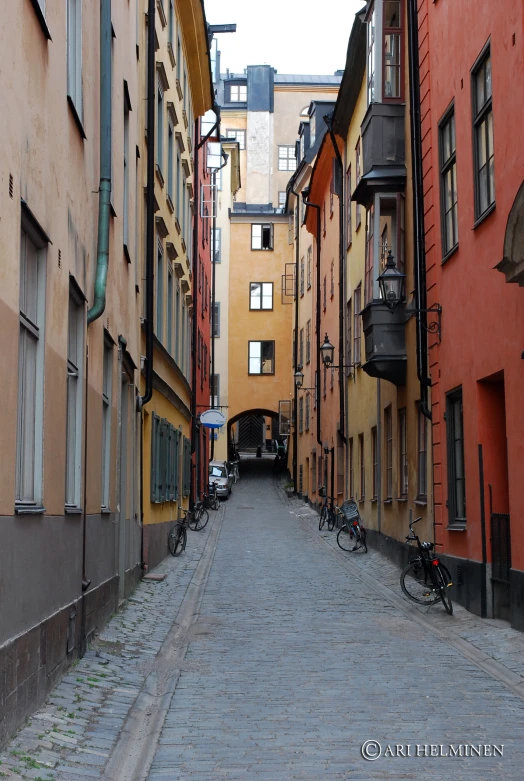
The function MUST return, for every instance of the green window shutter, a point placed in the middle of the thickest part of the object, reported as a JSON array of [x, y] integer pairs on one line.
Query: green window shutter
[[154, 462], [187, 457], [171, 463], [176, 462]]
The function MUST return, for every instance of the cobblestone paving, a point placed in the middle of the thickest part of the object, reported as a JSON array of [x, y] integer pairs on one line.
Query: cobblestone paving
[[297, 664], [72, 736]]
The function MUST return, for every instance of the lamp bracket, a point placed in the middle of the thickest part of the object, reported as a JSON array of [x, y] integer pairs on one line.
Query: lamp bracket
[[433, 327]]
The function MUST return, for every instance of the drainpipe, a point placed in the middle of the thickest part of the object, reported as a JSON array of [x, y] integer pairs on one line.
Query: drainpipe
[[328, 119], [295, 346], [317, 207], [193, 493], [104, 191], [150, 204], [418, 207]]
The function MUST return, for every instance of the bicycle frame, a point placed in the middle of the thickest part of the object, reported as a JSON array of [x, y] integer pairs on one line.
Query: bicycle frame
[[425, 557]]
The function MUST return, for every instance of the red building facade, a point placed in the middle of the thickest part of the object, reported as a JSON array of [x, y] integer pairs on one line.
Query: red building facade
[[472, 112]]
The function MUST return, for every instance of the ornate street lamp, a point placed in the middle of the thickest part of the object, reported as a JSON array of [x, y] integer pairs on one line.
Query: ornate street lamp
[[392, 283], [299, 378], [327, 351]]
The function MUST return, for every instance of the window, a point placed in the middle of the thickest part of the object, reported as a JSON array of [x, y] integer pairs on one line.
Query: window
[[301, 415], [107, 388], [30, 417], [125, 207], [74, 55], [388, 451], [262, 237], [448, 183], [356, 325], [325, 293], [215, 390], [238, 93], [332, 271], [313, 472], [261, 295], [177, 323], [308, 341], [282, 199], [169, 344], [216, 320], [287, 160], [402, 454], [340, 469], [316, 392], [261, 357], [160, 126], [171, 24], [165, 460], [368, 278], [302, 276], [159, 290], [301, 348], [312, 128], [374, 456], [422, 465], [357, 180], [392, 49], [309, 265], [308, 407], [237, 135], [483, 134], [455, 455], [349, 340], [361, 466], [178, 58], [351, 471], [179, 186], [170, 159], [75, 353], [215, 241], [349, 229], [371, 55]]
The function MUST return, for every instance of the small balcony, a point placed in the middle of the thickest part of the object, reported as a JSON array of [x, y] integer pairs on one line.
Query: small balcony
[[385, 343], [383, 136]]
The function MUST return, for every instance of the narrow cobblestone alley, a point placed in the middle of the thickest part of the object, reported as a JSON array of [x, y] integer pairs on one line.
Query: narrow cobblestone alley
[[292, 662]]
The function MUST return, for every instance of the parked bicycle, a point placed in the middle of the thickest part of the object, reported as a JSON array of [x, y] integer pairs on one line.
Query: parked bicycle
[[327, 514], [425, 580], [195, 519], [235, 470], [211, 501], [352, 534]]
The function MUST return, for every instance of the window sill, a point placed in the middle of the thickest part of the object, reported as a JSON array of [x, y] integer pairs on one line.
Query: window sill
[[421, 502], [387, 501], [105, 511], [29, 509], [450, 254], [69, 510], [41, 19], [76, 117], [401, 498], [374, 500], [170, 204], [456, 527], [484, 214], [159, 175], [361, 500], [126, 253]]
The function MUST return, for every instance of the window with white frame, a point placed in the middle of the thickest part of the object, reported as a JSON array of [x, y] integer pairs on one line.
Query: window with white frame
[[170, 303], [392, 53], [308, 341], [312, 128], [238, 93], [371, 54], [402, 454], [261, 295], [31, 345], [261, 357], [125, 207], [237, 135], [107, 391], [170, 159], [74, 55], [75, 352], [215, 390], [287, 160], [159, 290], [216, 319], [281, 199], [483, 135], [215, 242], [357, 325], [262, 236], [160, 126], [309, 266]]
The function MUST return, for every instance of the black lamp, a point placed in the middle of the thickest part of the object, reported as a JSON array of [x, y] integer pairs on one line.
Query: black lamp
[[299, 378], [391, 283], [327, 351]]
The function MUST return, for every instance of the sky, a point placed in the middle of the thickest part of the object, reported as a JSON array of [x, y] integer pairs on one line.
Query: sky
[[294, 36]]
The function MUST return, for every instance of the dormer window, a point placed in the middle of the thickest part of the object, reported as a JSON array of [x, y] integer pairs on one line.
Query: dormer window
[[237, 93], [312, 128], [302, 146], [384, 62]]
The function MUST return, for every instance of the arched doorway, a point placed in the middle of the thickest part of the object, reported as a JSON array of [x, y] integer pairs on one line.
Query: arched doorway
[[252, 429]]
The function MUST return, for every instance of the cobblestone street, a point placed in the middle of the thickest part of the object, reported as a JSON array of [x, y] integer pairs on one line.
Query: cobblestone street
[[298, 654]]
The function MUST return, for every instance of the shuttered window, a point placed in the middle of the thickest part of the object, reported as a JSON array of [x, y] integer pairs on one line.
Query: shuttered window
[[165, 447]]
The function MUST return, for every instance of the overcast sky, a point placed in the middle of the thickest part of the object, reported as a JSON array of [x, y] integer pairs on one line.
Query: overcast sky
[[310, 36]]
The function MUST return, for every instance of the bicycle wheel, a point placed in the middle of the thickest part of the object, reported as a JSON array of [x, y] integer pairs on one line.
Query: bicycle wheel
[[345, 539], [202, 517], [176, 541], [363, 537], [331, 519], [322, 519], [417, 584], [443, 579]]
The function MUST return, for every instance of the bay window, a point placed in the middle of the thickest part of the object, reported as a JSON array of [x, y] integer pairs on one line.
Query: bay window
[[384, 51]]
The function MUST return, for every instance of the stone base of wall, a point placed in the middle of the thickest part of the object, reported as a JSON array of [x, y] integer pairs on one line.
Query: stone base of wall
[[33, 663], [155, 543], [516, 599]]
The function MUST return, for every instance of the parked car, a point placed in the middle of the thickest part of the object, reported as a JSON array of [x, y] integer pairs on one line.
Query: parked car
[[220, 475]]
